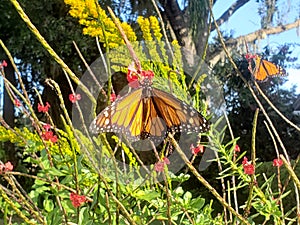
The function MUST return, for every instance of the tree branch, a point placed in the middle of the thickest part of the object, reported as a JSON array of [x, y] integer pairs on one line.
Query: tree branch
[[226, 15], [259, 34]]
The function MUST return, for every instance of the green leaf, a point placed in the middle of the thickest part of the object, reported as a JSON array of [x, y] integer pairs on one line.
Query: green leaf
[[48, 205], [197, 203], [187, 197]]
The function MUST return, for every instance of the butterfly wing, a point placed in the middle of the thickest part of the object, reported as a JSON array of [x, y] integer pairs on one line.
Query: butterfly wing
[[177, 115], [148, 113], [264, 69], [122, 116]]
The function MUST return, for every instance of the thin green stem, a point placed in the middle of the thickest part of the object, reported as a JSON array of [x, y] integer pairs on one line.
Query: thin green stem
[[205, 183]]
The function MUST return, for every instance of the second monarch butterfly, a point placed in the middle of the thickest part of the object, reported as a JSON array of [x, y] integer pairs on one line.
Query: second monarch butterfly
[[264, 69], [148, 112]]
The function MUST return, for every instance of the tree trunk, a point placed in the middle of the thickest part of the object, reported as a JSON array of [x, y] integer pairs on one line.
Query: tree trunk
[[8, 112]]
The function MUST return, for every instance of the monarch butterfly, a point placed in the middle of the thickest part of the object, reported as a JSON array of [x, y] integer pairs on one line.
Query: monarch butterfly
[[147, 112], [264, 69]]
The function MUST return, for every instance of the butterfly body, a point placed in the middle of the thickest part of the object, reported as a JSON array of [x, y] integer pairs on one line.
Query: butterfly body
[[265, 69], [148, 112]]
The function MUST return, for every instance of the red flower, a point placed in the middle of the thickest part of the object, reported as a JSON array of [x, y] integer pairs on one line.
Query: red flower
[[248, 167], [3, 64], [245, 160], [43, 109], [250, 56], [73, 98], [237, 148], [47, 127], [114, 97], [133, 76], [77, 200], [196, 150], [159, 166], [17, 102], [6, 167], [133, 79], [166, 160], [277, 162], [147, 74], [48, 136]]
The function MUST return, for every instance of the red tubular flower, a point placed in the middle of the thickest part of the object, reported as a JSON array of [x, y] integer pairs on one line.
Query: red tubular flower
[[4, 63], [248, 167], [47, 127], [77, 200], [166, 160], [250, 56], [245, 160], [17, 102], [6, 167], [147, 74], [48, 136], [237, 148], [73, 98], [277, 162], [114, 97], [196, 150], [159, 166], [133, 79], [134, 76], [43, 109]]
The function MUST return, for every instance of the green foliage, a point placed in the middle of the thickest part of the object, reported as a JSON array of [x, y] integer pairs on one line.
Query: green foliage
[[107, 190]]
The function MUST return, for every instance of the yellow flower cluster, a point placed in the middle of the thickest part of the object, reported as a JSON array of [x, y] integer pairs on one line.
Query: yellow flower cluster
[[145, 27], [150, 25], [155, 27], [97, 23]]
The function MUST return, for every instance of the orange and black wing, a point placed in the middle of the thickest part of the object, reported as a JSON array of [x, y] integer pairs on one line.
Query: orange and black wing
[[264, 69], [122, 116], [176, 114], [148, 113]]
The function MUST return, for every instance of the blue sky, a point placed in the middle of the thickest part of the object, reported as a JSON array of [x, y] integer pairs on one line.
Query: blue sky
[[247, 20]]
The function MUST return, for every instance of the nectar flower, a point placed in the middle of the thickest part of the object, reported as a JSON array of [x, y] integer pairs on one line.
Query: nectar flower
[[45, 108], [250, 56], [6, 167], [147, 74], [47, 127], [277, 162], [133, 79], [73, 98], [134, 76], [159, 166], [237, 148], [17, 102], [3, 64], [196, 150], [114, 97], [77, 200], [166, 160], [48, 136], [248, 167]]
